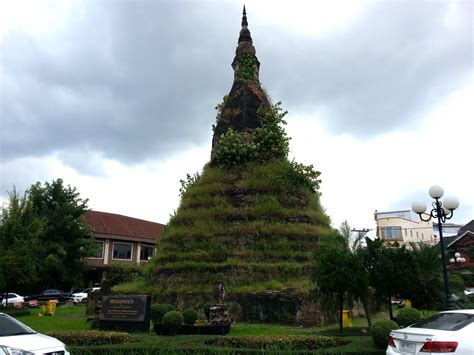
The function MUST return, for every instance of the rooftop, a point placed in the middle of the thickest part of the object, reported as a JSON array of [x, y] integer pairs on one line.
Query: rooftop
[[118, 225]]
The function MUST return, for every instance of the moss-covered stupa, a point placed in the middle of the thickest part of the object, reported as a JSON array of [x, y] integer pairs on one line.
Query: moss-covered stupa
[[252, 219]]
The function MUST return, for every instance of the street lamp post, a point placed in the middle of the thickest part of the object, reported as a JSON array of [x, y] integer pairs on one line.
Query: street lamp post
[[442, 210]]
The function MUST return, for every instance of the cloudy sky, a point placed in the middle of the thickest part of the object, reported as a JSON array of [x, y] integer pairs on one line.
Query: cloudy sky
[[117, 97]]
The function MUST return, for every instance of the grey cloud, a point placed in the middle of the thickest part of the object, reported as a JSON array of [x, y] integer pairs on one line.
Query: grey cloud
[[132, 82], [383, 73]]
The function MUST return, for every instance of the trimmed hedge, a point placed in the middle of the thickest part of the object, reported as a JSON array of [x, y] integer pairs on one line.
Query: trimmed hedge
[[93, 337], [158, 310], [278, 342], [380, 332], [172, 321], [408, 316], [189, 316]]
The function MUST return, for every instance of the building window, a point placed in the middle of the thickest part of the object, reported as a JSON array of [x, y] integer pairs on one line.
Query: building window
[[417, 236], [146, 252], [99, 251], [391, 233], [406, 233], [122, 251]]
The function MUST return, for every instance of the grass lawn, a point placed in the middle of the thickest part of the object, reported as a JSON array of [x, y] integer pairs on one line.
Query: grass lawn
[[73, 318]]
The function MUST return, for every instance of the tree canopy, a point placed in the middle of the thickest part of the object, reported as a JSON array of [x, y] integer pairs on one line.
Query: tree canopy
[[44, 238]]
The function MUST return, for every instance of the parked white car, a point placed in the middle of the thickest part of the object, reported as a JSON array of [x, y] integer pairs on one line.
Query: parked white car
[[17, 338], [444, 333], [469, 291], [13, 298], [81, 297]]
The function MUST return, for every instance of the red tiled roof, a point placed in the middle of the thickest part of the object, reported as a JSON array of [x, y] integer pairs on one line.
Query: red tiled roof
[[115, 224]]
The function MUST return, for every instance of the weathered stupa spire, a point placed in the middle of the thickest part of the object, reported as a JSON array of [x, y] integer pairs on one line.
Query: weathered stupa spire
[[240, 106], [244, 32], [244, 49]]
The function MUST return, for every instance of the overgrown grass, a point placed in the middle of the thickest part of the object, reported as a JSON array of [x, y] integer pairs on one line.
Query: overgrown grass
[[251, 226]]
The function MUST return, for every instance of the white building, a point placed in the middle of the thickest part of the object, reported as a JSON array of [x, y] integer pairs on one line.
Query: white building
[[403, 227]]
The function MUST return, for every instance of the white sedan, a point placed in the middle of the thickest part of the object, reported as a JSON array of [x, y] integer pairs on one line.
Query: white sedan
[[444, 333], [17, 338], [13, 298], [81, 297]]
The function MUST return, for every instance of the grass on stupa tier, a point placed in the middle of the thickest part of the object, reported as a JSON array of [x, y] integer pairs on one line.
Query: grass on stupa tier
[[245, 254], [140, 286], [254, 227]]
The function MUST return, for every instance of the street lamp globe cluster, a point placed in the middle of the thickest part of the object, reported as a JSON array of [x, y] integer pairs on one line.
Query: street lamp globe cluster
[[457, 259], [442, 211]]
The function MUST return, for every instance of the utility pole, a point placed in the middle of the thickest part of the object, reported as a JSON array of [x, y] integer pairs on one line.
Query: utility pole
[[361, 233]]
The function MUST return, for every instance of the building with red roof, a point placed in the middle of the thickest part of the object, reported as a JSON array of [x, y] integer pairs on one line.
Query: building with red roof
[[120, 240]]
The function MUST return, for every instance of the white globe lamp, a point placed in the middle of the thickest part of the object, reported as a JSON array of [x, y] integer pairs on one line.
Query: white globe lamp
[[436, 191]]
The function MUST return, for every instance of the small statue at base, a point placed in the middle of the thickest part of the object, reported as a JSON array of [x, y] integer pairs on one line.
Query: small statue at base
[[219, 311]]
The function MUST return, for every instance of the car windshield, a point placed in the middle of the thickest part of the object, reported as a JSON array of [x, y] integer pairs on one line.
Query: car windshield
[[9, 327], [445, 321]]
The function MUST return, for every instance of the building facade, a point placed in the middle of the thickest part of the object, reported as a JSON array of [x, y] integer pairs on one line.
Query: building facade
[[120, 240], [403, 227]]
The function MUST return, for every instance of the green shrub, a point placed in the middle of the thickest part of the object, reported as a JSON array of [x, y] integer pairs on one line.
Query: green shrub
[[158, 310], [92, 337], [408, 316], [190, 316], [380, 332], [121, 273], [278, 342], [172, 321]]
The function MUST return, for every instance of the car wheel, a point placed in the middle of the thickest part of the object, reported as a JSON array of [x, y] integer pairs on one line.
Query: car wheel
[[84, 300]]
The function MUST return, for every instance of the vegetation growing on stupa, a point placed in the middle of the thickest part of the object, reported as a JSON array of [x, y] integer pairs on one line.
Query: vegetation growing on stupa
[[253, 226], [252, 219]]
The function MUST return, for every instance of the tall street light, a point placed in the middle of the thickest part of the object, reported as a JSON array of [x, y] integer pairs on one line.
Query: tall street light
[[442, 210]]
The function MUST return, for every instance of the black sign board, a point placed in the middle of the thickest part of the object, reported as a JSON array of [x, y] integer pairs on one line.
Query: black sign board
[[131, 312]]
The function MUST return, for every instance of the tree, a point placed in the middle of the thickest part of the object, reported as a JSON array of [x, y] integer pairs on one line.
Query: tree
[[410, 272], [353, 245], [43, 237], [425, 287], [66, 240], [334, 275], [388, 269], [339, 270], [20, 229]]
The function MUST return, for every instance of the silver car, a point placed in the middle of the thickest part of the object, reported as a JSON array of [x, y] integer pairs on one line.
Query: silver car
[[17, 338], [444, 333]]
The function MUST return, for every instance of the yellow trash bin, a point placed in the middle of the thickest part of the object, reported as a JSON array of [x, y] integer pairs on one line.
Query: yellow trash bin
[[407, 303], [346, 319], [51, 307]]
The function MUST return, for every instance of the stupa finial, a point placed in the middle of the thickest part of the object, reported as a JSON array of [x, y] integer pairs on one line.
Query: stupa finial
[[244, 18], [244, 32]]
